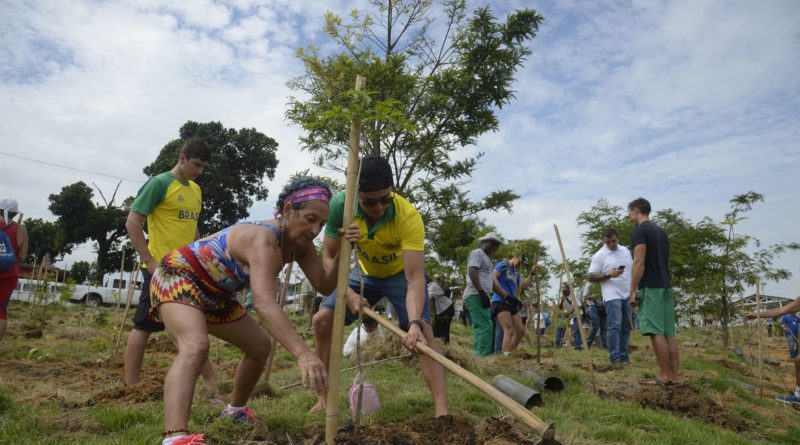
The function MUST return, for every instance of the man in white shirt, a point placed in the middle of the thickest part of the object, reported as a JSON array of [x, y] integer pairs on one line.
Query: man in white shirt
[[368, 327], [611, 267]]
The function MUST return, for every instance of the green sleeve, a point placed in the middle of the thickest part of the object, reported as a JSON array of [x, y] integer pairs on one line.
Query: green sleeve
[[335, 216], [150, 195]]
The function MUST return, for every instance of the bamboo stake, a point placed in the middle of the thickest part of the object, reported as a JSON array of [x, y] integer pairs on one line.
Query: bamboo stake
[[45, 293], [32, 281], [557, 313], [131, 286], [543, 429], [281, 302], [758, 337], [539, 315], [119, 286], [575, 309], [345, 248]]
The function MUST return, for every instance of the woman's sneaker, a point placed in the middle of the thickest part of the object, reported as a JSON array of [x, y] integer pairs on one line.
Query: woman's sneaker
[[244, 415], [192, 439], [791, 398]]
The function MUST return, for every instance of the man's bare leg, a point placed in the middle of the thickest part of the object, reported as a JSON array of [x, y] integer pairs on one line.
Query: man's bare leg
[[673, 358], [134, 355], [661, 350], [433, 373]]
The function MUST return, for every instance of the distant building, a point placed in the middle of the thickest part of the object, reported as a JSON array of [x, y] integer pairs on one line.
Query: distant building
[[748, 303]]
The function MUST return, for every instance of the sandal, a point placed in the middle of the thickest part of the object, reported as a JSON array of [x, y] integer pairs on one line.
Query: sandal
[[654, 382]]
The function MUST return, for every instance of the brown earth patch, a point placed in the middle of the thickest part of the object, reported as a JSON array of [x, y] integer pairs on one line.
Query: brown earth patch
[[741, 369], [686, 400], [146, 390], [161, 343], [452, 431]]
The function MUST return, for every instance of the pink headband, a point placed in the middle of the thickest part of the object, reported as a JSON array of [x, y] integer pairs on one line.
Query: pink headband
[[311, 193]]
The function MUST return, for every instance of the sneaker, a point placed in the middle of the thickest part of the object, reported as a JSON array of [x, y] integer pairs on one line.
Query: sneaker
[[245, 415], [791, 398], [192, 439]]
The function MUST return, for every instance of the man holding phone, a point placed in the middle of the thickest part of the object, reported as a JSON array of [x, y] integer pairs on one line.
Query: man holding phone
[[610, 267]]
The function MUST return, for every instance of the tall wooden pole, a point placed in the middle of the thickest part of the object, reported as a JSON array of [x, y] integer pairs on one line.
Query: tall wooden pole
[[557, 312], [758, 336], [131, 287], [119, 286], [539, 315], [345, 249], [575, 309]]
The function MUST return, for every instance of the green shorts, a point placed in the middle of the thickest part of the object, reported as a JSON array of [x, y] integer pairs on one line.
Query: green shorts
[[657, 312]]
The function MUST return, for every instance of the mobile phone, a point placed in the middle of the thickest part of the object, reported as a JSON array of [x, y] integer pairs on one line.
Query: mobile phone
[[621, 267]]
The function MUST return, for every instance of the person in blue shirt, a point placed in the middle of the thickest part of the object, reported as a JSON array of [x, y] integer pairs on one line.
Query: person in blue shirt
[[506, 305], [789, 324], [791, 331]]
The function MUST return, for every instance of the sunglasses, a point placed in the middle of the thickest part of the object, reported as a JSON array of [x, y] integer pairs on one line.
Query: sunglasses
[[384, 201]]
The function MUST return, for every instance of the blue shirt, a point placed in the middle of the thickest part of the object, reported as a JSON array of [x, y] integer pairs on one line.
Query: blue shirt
[[508, 279], [791, 322]]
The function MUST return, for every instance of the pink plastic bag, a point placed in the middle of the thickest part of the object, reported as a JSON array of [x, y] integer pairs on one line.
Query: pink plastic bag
[[370, 402]]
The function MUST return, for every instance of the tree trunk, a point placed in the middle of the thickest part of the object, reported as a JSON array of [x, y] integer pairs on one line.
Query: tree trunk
[[724, 320]]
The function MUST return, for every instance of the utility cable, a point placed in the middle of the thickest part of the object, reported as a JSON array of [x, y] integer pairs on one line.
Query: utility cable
[[70, 168]]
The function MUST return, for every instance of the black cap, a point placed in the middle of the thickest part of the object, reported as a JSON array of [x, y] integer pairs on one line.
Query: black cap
[[376, 174]]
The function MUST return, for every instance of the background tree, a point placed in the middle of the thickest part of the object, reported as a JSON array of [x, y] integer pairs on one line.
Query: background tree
[[597, 219], [45, 238], [241, 161], [426, 97], [740, 266], [81, 220], [80, 271]]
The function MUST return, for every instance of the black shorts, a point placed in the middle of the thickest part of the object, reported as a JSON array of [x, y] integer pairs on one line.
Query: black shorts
[[141, 319], [504, 306]]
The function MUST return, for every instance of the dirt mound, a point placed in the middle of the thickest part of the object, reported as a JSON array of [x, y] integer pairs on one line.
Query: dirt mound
[[741, 369], [687, 400], [143, 391], [446, 431], [161, 343]]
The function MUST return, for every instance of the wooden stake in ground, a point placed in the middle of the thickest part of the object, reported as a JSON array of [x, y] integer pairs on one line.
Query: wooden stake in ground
[[345, 249], [538, 316], [575, 309], [119, 286], [131, 286], [758, 337], [557, 312], [281, 302], [543, 429]]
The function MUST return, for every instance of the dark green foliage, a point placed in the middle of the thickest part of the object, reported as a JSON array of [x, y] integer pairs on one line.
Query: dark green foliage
[[45, 237], [81, 219], [240, 162], [425, 100]]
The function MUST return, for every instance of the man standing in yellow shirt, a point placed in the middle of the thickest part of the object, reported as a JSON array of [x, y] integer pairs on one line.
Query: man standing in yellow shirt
[[170, 203], [391, 256]]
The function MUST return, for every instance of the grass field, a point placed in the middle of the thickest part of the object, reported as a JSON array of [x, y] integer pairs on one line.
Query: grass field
[[65, 387]]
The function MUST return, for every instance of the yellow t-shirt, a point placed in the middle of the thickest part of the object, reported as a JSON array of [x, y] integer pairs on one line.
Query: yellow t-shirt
[[380, 248], [172, 209]]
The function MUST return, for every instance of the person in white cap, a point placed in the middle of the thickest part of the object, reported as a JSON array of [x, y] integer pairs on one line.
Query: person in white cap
[[481, 281], [13, 250]]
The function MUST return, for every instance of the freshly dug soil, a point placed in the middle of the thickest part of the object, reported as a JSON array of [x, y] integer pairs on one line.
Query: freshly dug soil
[[687, 401]]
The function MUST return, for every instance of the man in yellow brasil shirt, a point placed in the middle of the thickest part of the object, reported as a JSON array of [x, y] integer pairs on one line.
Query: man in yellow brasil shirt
[[391, 256], [170, 203]]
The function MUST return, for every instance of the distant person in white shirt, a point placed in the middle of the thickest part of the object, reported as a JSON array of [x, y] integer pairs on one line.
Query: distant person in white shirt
[[611, 267], [369, 328]]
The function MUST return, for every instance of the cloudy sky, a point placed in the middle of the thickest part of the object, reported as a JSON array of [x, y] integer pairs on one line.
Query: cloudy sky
[[684, 102]]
